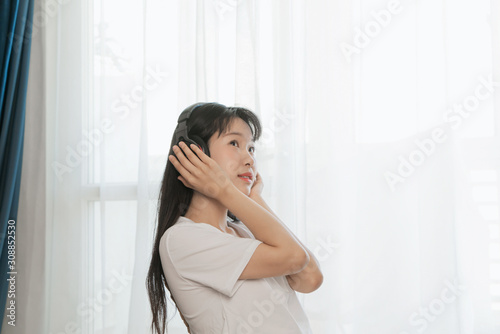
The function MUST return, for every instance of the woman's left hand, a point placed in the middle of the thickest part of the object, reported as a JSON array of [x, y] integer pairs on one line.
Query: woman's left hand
[[257, 186]]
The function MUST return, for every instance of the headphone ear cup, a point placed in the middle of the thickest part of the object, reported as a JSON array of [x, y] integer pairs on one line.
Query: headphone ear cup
[[198, 141]]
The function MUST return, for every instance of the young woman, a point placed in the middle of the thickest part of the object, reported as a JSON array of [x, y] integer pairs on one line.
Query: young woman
[[226, 275]]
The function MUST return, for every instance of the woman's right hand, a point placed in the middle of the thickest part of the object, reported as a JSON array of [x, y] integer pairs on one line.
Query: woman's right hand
[[199, 172], [257, 187]]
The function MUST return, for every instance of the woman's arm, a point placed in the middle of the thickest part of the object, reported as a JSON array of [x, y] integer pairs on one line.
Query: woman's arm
[[308, 279], [279, 253]]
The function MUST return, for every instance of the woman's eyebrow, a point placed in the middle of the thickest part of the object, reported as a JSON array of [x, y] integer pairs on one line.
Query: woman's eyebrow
[[237, 134]]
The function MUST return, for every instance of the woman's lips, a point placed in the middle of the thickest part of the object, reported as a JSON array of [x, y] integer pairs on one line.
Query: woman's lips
[[245, 179]]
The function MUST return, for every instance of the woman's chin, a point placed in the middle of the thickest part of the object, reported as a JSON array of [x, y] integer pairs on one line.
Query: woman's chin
[[246, 190]]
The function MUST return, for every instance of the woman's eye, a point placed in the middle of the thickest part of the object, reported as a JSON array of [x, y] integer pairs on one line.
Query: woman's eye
[[233, 142], [252, 149]]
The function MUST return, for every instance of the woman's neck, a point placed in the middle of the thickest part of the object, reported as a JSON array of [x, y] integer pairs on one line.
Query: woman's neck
[[207, 210]]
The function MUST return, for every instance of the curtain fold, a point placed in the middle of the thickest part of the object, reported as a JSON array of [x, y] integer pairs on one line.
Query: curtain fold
[[15, 37]]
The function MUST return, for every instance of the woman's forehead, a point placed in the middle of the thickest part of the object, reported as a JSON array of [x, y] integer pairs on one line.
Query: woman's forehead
[[240, 128]]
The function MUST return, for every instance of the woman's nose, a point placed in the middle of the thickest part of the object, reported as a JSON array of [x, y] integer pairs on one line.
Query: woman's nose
[[249, 159]]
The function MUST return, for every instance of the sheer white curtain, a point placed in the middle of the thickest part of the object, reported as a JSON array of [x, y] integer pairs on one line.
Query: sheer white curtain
[[380, 151]]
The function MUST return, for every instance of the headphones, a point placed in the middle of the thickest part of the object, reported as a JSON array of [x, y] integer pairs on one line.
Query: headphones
[[181, 131], [181, 134]]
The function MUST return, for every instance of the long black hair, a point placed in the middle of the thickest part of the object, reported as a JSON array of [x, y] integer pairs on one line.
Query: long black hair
[[175, 198]]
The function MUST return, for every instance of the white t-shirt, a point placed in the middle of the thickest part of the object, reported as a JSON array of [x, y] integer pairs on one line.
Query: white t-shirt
[[202, 265]]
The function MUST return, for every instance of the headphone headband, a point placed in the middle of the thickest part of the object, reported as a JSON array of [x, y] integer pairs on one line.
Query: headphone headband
[[184, 116], [181, 131]]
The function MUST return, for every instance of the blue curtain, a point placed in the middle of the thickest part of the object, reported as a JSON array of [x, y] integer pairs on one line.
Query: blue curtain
[[15, 42]]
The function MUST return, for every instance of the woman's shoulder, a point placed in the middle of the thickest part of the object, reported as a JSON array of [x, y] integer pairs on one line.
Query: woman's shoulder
[[186, 225], [241, 228], [185, 228], [186, 234]]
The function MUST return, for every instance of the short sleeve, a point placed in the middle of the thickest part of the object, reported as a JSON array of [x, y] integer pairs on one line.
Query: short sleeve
[[201, 253]]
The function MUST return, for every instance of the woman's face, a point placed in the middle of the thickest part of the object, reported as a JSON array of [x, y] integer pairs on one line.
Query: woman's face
[[234, 152]]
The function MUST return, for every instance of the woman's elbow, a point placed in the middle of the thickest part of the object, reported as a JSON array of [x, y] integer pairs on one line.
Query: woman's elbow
[[299, 260], [316, 281], [305, 282], [312, 282]]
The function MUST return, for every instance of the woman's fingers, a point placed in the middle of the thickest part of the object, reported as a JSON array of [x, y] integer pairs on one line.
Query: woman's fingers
[[198, 171], [189, 166], [184, 173], [184, 182], [193, 158], [185, 160], [180, 168], [200, 154]]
